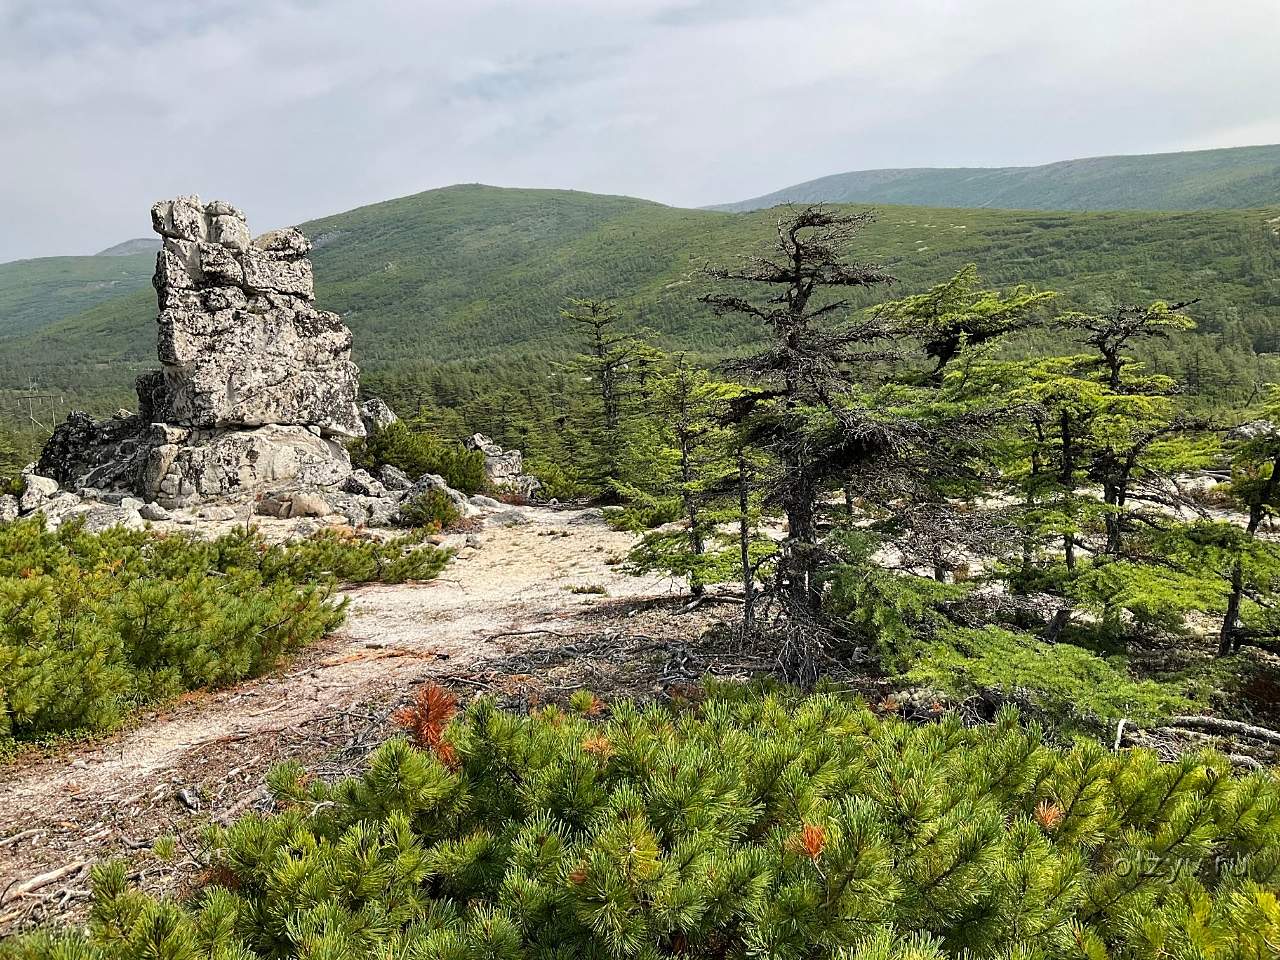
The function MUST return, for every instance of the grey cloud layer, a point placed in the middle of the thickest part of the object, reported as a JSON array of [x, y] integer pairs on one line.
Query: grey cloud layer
[[297, 108]]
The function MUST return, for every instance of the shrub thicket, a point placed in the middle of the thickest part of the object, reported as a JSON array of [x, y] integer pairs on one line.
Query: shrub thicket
[[743, 827], [94, 625], [432, 509], [416, 452]]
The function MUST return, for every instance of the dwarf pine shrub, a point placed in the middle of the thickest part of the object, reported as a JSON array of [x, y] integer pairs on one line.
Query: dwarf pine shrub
[[746, 826], [93, 626], [432, 509], [417, 452]]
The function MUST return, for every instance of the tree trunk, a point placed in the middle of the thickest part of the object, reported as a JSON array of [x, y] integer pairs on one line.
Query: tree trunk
[[1067, 479], [800, 568], [1227, 638], [696, 545], [744, 543], [1227, 635]]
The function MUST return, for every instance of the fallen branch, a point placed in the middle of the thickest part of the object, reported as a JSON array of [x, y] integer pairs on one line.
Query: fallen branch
[[20, 836], [523, 633], [376, 655], [15, 889], [1229, 728]]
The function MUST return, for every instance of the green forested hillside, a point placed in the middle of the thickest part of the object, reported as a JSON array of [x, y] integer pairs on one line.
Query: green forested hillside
[[34, 293], [1237, 177], [471, 278]]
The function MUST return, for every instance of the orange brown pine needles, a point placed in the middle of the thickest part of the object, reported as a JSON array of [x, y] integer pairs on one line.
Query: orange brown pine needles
[[426, 719], [1048, 814], [810, 842]]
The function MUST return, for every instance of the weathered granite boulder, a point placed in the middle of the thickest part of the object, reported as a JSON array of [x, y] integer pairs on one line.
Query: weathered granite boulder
[[105, 516], [36, 489], [375, 413], [431, 481], [504, 469], [393, 478], [208, 465], [256, 389], [239, 336], [289, 504]]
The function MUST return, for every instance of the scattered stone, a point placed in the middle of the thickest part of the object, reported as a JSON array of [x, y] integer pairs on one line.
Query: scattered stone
[[61, 507], [393, 478], [1252, 430], [188, 799], [365, 484], [216, 512], [35, 490], [153, 511], [509, 518], [375, 413]]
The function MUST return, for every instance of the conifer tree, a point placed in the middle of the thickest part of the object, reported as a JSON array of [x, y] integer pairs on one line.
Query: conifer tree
[[686, 451], [804, 374], [615, 364], [1255, 486]]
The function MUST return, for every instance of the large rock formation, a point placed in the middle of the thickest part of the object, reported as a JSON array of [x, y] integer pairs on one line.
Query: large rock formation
[[240, 338], [257, 388]]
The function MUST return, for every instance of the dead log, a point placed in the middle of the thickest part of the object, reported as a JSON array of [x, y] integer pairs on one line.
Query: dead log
[[1226, 728]]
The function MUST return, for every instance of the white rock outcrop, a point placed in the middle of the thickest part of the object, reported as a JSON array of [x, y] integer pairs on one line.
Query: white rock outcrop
[[256, 389]]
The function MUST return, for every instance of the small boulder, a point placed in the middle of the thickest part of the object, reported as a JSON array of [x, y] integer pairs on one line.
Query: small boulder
[[287, 506], [216, 512], [37, 489], [363, 483], [433, 481], [61, 507], [8, 508], [153, 511], [509, 518], [393, 478], [486, 503], [104, 517]]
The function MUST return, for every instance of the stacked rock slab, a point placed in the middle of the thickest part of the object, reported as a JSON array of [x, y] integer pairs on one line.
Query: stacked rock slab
[[239, 335], [256, 391]]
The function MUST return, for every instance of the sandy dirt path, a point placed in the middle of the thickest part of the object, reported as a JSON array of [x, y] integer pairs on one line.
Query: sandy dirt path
[[205, 757]]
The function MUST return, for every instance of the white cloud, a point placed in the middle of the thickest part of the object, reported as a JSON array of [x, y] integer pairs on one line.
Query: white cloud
[[298, 108]]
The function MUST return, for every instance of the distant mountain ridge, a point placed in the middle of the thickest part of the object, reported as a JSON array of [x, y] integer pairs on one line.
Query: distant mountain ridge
[[473, 277], [1229, 178], [128, 248]]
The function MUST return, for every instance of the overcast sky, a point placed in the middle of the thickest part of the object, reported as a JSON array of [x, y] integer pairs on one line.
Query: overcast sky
[[294, 109]]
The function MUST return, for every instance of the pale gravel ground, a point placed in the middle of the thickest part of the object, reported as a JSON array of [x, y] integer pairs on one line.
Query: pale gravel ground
[[118, 794]]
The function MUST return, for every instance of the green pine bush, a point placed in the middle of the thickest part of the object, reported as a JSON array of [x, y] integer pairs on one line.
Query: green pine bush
[[430, 510], [746, 826], [93, 626], [417, 452]]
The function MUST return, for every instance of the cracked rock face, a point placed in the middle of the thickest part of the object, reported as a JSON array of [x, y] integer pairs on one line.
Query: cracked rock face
[[256, 389], [239, 335]]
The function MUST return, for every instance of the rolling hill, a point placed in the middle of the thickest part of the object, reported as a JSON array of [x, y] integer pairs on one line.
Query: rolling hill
[[34, 293], [1232, 178], [471, 278]]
